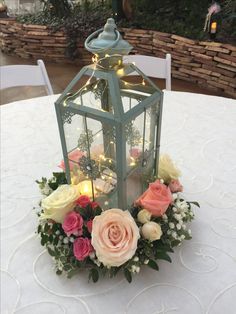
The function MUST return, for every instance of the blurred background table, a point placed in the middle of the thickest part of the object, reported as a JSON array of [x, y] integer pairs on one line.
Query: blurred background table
[[199, 132]]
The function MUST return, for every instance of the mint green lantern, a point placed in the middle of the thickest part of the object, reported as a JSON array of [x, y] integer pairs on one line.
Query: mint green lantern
[[110, 127]]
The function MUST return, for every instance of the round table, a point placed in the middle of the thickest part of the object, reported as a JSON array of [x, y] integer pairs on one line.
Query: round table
[[199, 133]]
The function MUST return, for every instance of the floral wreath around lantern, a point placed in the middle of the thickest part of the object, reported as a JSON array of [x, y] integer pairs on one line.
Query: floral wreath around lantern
[[79, 234]]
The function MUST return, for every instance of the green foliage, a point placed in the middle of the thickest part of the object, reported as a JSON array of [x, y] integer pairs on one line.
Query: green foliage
[[229, 20], [57, 8], [182, 17]]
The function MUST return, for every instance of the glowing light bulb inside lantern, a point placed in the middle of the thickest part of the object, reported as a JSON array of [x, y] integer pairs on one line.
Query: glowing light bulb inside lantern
[[120, 72], [85, 188], [94, 58], [213, 27]]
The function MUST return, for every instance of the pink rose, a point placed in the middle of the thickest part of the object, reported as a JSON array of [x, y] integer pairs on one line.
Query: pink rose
[[83, 201], [82, 248], [156, 198], [135, 153], [90, 225], [114, 237], [94, 205], [74, 157], [73, 224], [175, 186]]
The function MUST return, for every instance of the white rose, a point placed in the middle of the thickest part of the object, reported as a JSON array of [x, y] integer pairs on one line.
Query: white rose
[[144, 216], [60, 202], [167, 170], [151, 231]]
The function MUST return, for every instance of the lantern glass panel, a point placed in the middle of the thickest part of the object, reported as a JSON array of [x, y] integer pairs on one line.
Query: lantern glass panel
[[73, 128], [133, 91], [95, 93]]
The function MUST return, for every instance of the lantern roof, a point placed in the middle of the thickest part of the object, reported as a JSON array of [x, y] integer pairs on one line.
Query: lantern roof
[[109, 41]]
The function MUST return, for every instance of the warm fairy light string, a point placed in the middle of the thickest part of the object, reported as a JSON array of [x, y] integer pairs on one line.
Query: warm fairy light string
[[96, 61]]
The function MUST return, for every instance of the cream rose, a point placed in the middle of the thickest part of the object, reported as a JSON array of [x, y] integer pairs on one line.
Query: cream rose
[[144, 216], [60, 202], [151, 231], [114, 237], [167, 170]]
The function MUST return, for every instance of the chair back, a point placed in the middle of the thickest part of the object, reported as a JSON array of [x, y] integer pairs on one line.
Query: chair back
[[152, 66], [25, 75]]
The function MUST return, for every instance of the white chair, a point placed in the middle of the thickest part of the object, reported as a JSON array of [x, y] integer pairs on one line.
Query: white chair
[[152, 66], [25, 75]]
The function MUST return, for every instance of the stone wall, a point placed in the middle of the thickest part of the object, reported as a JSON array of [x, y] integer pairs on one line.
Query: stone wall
[[208, 64], [37, 41]]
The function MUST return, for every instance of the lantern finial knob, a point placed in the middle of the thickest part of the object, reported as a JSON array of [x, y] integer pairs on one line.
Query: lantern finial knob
[[108, 41]]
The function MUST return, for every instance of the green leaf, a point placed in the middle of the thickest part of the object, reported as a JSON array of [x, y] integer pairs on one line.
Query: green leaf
[[72, 272], [175, 243], [59, 272], [51, 252], [50, 238], [128, 275], [164, 256], [195, 203], [46, 228], [160, 247], [55, 227], [94, 274], [55, 241], [97, 211], [39, 228], [153, 264], [53, 185], [60, 177], [67, 267], [44, 239]]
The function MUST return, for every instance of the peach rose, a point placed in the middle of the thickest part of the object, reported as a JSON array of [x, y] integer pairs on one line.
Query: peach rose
[[74, 157], [114, 237], [156, 198]]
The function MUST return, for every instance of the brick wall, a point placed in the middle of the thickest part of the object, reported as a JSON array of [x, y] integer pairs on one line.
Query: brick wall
[[208, 64]]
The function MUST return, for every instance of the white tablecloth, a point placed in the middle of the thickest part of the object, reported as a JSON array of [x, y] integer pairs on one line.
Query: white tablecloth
[[199, 132]]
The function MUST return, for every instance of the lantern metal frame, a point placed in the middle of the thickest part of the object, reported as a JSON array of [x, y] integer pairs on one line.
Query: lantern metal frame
[[118, 120]]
